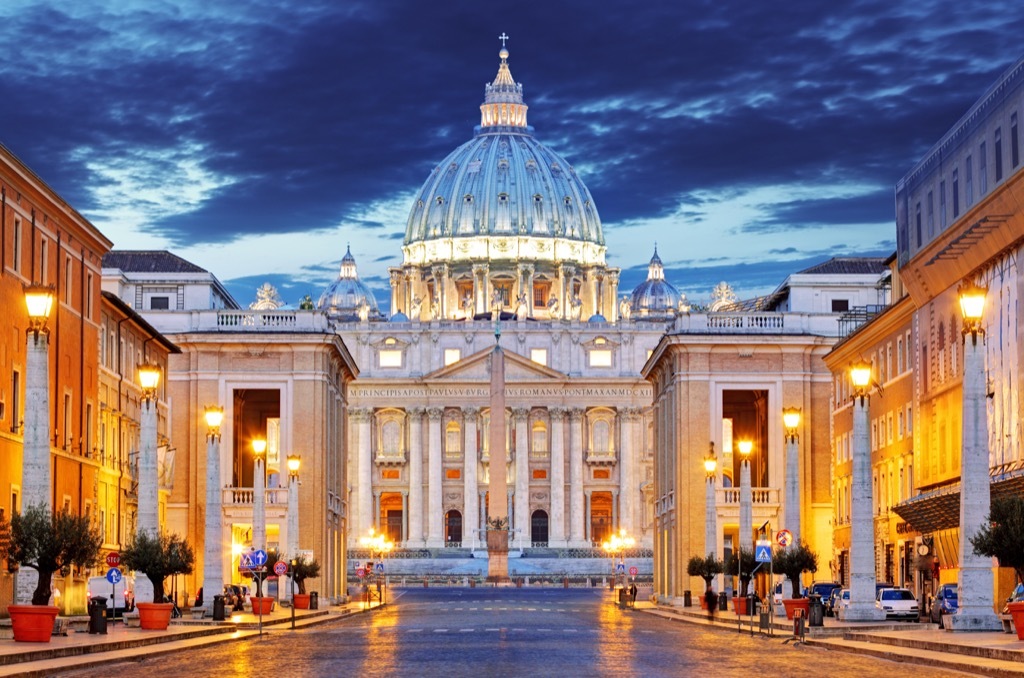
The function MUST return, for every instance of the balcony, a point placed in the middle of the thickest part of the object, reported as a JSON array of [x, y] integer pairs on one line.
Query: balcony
[[600, 458], [242, 497], [766, 502]]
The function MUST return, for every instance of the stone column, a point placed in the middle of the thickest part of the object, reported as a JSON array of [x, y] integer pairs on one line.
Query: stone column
[[148, 477], [482, 511], [526, 272], [588, 521], [556, 536], [405, 517], [629, 454], [576, 533], [976, 611], [361, 419], [746, 540], [862, 526], [375, 522], [213, 541], [35, 469], [435, 509], [481, 295], [791, 515], [522, 505], [471, 490], [416, 476], [612, 300], [293, 526], [395, 276]]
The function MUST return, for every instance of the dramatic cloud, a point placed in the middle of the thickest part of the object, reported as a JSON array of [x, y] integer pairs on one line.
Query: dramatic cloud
[[259, 138]]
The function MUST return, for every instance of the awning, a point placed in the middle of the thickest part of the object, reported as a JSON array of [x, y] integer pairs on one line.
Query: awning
[[940, 509]]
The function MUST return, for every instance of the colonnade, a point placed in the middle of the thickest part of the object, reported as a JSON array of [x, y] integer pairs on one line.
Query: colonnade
[[558, 479]]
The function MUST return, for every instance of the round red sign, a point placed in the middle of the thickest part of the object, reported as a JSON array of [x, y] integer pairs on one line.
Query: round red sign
[[113, 559], [280, 568]]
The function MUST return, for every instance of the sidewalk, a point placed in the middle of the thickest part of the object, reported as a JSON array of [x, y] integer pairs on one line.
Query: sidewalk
[[80, 649], [985, 653]]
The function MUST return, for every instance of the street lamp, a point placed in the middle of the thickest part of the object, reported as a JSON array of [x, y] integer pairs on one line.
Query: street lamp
[[616, 544], [710, 506], [213, 543], [746, 539], [975, 611], [293, 506], [35, 470], [378, 544], [149, 379], [791, 420], [259, 500], [862, 552]]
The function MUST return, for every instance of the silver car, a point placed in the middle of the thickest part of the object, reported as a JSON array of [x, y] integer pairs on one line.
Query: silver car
[[898, 604]]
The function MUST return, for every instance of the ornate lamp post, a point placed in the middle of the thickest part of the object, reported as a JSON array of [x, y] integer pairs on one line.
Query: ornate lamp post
[[791, 517], [746, 537], [149, 379], [975, 612], [35, 470], [710, 506], [379, 546], [213, 551], [862, 552], [294, 462], [615, 545], [259, 494]]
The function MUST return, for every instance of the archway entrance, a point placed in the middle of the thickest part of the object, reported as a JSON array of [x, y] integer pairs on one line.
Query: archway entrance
[[539, 528], [453, 529]]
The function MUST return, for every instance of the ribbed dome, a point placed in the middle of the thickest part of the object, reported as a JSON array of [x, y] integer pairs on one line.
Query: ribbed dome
[[654, 298], [503, 195], [347, 296]]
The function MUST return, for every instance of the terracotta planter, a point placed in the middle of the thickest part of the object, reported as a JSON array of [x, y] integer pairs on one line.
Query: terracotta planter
[[300, 601], [740, 604], [793, 604], [32, 623], [154, 616], [261, 605], [1017, 613]]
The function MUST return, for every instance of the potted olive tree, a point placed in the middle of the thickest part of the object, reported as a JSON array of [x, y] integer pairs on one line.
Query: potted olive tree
[[1002, 537], [48, 543], [707, 568], [742, 564], [158, 558], [302, 570], [793, 561]]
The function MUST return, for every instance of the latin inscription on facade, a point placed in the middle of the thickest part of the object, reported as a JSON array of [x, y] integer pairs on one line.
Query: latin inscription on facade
[[372, 392]]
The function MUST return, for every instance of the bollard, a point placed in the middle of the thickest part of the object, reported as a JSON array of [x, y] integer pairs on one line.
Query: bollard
[[723, 601], [218, 608], [565, 583], [314, 600]]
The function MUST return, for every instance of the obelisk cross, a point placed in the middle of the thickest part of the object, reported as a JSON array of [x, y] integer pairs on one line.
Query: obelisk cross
[[503, 38]]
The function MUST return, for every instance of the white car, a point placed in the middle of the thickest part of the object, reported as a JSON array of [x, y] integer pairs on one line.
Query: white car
[[898, 604], [842, 603]]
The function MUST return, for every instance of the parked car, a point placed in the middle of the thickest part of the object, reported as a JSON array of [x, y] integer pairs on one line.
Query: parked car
[[824, 589], [841, 603], [944, 603], [833, 601], [898, 604], [120, 597]]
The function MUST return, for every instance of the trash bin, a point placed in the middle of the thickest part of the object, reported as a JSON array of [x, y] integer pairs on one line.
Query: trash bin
[[314, 600], [218, 608], [723, 602], [623, 598], [687, 599], [97, 615], [815, 611]]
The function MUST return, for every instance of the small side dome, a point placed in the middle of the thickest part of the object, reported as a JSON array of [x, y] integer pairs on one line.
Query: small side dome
[[348, 298], [597, 318], [399, 318], [654, 298]]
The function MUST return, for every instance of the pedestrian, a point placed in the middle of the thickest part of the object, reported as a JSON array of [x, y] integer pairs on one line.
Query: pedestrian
[[712, 600], [632, 593]]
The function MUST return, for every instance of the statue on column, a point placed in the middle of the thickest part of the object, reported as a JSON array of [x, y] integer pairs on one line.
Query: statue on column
[[625, 308], [553, 306], [575, 307], [415, 309], [467, 307], [522, 310], [435, 309]]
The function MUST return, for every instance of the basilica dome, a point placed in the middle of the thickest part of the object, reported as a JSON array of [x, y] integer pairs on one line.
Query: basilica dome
[[348, 298], [503, 195], [655, 298]]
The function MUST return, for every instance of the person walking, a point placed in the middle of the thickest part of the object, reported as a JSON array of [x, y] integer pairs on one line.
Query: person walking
[[712, 602]]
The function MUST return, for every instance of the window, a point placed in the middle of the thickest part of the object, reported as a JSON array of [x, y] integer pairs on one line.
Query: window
[[600, 358], [88, 298], [452, 355], [539, 438], [88, 430], [16, 264], [931, 216], [942, 204], [390, 355], [160, 303], [908, 361], [600, 433], [67, 421], [888, 361], [1014, 151], [68, 275], [982, 169], [453, 439], [43, 268], [539, 356], [899, 424], [956, 194], [840, 305], [917, 224], [15, 401], [968, 183], [997, 151], [540, 295], [910, 420], [899, 355]]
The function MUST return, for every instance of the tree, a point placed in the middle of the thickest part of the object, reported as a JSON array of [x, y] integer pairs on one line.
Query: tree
[[746, 566], [304, 569], [707, 568], [52, 542], [1002, 537], [793, 561], [158, 558]]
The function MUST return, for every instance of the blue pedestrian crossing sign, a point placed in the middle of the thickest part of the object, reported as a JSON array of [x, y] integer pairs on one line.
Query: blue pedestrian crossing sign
[[379, 568], [763, 552], [253, 560], [620, 568]]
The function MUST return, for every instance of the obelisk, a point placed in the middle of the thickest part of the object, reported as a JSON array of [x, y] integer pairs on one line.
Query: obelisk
[[497, 488]]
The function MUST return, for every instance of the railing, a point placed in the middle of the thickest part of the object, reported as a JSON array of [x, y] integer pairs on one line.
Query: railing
[[759, 495], [234, 320], [243, 496], [824, 324]]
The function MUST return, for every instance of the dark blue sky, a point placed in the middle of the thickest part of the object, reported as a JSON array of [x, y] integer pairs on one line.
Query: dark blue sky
[[257, 139]]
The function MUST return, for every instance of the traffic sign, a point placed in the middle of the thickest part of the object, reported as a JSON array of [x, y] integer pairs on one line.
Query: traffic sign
[[253, 560], [360, 572], [620, 568], [763, 551], [633, 571], [114, 575], [113, 559], [380, 568], [784, 538], [280, 568], [259, 558]]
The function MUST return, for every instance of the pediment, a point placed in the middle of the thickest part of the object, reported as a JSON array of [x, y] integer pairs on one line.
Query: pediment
[[477, 367]]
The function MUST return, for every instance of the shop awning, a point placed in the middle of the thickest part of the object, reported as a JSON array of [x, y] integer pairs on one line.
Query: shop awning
[[940, 509]]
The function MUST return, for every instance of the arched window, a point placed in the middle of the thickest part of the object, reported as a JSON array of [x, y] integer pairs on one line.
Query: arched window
[[539, 529], [539, 439], [453, 529], [601, 436], [391, 433], [453, 439]]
